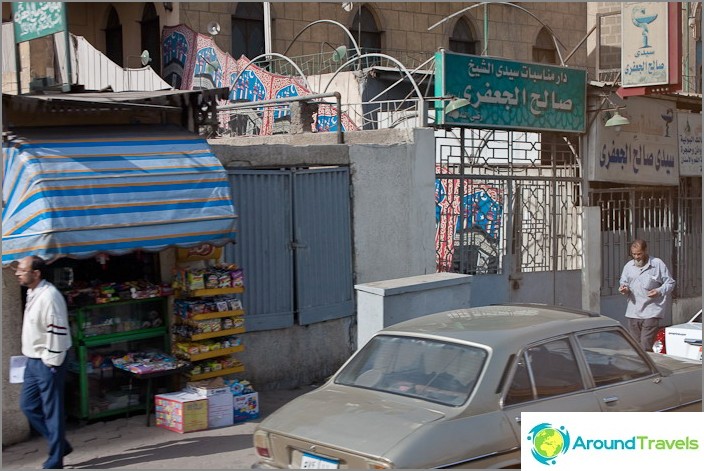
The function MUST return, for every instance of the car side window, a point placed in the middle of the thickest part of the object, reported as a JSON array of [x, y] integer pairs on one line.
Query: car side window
[[545, 370], [611, 358]]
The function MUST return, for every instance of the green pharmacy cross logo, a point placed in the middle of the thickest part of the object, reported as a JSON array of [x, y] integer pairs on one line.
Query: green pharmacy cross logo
[[548, 442]]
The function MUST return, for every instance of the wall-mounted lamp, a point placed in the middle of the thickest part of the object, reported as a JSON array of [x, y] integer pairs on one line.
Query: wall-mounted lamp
[[168, 6], [617, 121], [455, 104]]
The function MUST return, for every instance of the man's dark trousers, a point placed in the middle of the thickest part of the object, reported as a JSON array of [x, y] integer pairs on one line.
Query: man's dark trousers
[[42, 401]]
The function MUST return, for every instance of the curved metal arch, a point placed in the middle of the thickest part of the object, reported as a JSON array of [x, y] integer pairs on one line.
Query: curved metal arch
[[344, 28], [555, 39], [276, 54], [377, 54]]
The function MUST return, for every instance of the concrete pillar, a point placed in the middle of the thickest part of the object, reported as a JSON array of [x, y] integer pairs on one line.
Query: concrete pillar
[[384, 303], [302, 116], [15, 427], [591, 259]]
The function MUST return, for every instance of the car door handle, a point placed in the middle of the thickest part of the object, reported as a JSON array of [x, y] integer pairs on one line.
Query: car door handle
[[610, 399]]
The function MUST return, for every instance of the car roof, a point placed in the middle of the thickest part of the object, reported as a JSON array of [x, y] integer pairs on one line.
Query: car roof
[[503, 324]]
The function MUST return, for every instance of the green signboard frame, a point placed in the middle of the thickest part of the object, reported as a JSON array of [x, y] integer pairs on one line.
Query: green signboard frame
[[37, 19], [497, 93]]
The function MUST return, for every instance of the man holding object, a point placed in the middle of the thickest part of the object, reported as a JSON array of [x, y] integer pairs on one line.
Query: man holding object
[[45, 340], [647, 284]]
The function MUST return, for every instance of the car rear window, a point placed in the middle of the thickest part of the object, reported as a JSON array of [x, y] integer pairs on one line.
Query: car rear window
[[436, 371]]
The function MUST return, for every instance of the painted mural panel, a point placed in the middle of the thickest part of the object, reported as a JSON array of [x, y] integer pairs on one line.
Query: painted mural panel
[[482, 220], [193, 61]]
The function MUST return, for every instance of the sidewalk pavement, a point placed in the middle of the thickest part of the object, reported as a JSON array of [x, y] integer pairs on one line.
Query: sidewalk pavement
[[129, 443]]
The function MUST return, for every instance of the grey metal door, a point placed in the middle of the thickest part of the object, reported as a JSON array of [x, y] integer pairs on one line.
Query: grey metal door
[[294, 245], [323, 244]]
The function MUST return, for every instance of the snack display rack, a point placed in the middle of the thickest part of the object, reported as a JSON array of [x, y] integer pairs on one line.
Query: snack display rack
[[208, 317]]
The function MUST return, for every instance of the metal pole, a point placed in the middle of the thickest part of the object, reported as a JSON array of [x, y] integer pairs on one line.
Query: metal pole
[[338, 99], [67, 86], [249, 104], [267, 28]]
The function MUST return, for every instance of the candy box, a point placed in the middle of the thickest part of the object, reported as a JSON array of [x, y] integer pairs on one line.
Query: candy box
[[246, 407], [181, 411]]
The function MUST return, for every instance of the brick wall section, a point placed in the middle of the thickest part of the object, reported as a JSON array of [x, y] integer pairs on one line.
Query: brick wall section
[[512, 32]]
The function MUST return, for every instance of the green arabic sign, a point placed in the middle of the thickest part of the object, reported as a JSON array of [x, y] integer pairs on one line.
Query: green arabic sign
[[36, 19], [508, 94]]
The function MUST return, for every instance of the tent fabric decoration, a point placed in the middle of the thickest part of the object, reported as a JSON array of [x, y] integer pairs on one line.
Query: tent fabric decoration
[[78, 192]]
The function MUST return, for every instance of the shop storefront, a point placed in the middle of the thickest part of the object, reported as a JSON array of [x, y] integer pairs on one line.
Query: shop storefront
[[110, 206]]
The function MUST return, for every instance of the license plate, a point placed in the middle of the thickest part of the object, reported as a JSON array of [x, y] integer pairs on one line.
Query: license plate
[[317, 462]]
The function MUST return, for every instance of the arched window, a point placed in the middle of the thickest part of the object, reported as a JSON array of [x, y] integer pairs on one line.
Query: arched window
[[113, 37], [365, 31], [151, 37], [544, 48], [248, 30], [462, 39]]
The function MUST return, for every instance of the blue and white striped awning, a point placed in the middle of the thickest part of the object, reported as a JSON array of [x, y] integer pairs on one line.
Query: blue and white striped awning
[[78, 192]]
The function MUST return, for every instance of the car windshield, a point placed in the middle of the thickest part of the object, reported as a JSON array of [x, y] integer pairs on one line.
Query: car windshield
[[433, 370]]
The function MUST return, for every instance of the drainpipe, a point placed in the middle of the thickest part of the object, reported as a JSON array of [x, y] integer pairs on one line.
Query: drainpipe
[[686, 54], [267, 28], [485, 51]]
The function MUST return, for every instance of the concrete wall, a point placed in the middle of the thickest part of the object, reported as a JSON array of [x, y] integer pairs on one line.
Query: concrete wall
[[15, 427], [393, 188]]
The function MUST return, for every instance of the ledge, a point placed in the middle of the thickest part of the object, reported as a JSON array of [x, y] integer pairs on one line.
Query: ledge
[[414, 283]]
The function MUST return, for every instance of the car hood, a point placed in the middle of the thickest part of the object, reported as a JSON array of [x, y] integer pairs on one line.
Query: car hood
[[355, 419]]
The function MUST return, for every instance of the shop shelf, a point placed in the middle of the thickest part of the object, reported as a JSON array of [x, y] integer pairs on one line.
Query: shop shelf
[[213, 374], [97, 340], [216, 315], [213, 354], [197, 293], [219, 333]]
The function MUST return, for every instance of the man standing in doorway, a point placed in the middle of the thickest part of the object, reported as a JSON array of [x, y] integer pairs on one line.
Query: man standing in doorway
[[45, 340], [647, 284]]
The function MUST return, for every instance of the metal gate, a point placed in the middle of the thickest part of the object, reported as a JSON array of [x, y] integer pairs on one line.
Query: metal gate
[[507, 202], [668, 218], [294, 245]]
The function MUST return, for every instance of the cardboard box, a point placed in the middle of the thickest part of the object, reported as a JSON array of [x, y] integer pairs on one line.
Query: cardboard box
[[219, 403], [207, 391], [181, 411], [220, 410], [246, 407]]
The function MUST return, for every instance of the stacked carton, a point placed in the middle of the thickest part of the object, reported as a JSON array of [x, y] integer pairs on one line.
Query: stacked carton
[[181, 411], [219, 403], [207, 404]]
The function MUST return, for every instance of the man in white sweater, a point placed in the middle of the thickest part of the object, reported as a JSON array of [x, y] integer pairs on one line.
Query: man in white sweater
[[45, 340]]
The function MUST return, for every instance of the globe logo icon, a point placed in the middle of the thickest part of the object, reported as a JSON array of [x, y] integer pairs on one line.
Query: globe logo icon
[[548, 442]]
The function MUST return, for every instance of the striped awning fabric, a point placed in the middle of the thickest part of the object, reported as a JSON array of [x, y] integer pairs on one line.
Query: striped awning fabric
[[78, 192]]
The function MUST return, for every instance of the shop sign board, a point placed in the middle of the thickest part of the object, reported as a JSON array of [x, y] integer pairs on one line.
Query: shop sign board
[[645, 152], [644, 44], [199, 252], [37, 19], [508, 94], [689, 135]]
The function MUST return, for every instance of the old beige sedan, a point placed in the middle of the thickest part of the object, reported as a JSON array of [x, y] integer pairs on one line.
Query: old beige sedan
[[448, 390]]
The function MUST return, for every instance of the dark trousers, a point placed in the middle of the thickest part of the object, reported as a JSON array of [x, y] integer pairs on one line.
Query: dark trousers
[[644, 331], [42, 401]]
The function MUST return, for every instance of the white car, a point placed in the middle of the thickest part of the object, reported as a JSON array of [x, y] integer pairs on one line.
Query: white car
[[682, 340]]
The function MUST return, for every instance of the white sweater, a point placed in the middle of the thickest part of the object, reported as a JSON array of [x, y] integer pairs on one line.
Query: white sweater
[[45, 331]]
